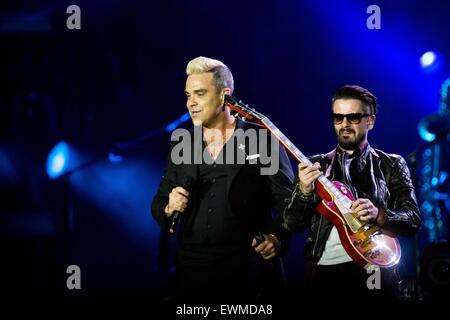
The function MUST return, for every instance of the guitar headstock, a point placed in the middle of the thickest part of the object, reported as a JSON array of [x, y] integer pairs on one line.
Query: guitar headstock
[[238, 108]]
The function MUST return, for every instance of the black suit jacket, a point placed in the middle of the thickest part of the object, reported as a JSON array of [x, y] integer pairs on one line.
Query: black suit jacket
[[251, 195]]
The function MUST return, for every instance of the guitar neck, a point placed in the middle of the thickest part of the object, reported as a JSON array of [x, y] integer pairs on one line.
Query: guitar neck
[[293, 150], [297, 154]]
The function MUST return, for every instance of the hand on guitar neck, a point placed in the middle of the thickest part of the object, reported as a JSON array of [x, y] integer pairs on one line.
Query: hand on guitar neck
[[307, 175]]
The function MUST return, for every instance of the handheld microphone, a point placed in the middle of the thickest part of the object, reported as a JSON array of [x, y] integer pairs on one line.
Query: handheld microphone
[[187, 183]]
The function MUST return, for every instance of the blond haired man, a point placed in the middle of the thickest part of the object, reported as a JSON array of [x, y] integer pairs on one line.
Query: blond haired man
[[222, 205]]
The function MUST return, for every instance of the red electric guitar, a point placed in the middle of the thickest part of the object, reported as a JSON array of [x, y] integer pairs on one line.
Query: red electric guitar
[[365, 243]]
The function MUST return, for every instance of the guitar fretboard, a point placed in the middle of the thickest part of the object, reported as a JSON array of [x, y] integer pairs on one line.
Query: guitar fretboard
[[338, 195]]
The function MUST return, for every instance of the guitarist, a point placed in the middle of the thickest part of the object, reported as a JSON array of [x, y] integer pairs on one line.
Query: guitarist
[[380, 182]]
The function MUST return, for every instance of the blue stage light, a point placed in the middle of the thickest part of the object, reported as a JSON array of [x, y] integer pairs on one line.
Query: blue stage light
[[57, 160], [173, 125], [114, 158], [427, 59], [424, 133], [430, 61], [432, 125]]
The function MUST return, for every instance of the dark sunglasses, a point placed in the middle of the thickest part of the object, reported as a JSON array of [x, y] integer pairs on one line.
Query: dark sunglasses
[[353, 118]]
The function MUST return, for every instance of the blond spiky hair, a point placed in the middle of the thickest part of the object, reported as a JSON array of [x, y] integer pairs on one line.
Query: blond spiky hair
[[221, 74]]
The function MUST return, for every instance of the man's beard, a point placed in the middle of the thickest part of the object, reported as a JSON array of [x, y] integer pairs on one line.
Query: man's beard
[[349, 144]]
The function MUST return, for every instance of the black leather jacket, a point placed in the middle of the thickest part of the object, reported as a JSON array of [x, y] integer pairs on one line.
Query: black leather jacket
[[383, 178]]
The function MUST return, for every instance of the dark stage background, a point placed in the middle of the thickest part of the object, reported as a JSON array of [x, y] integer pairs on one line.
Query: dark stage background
[[121, 77]]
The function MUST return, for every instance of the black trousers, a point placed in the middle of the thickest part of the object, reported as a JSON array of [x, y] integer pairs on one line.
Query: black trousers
[[348, 280], [223, 273]]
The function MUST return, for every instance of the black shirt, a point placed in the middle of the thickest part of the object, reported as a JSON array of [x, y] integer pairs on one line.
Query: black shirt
[[213, 221]]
